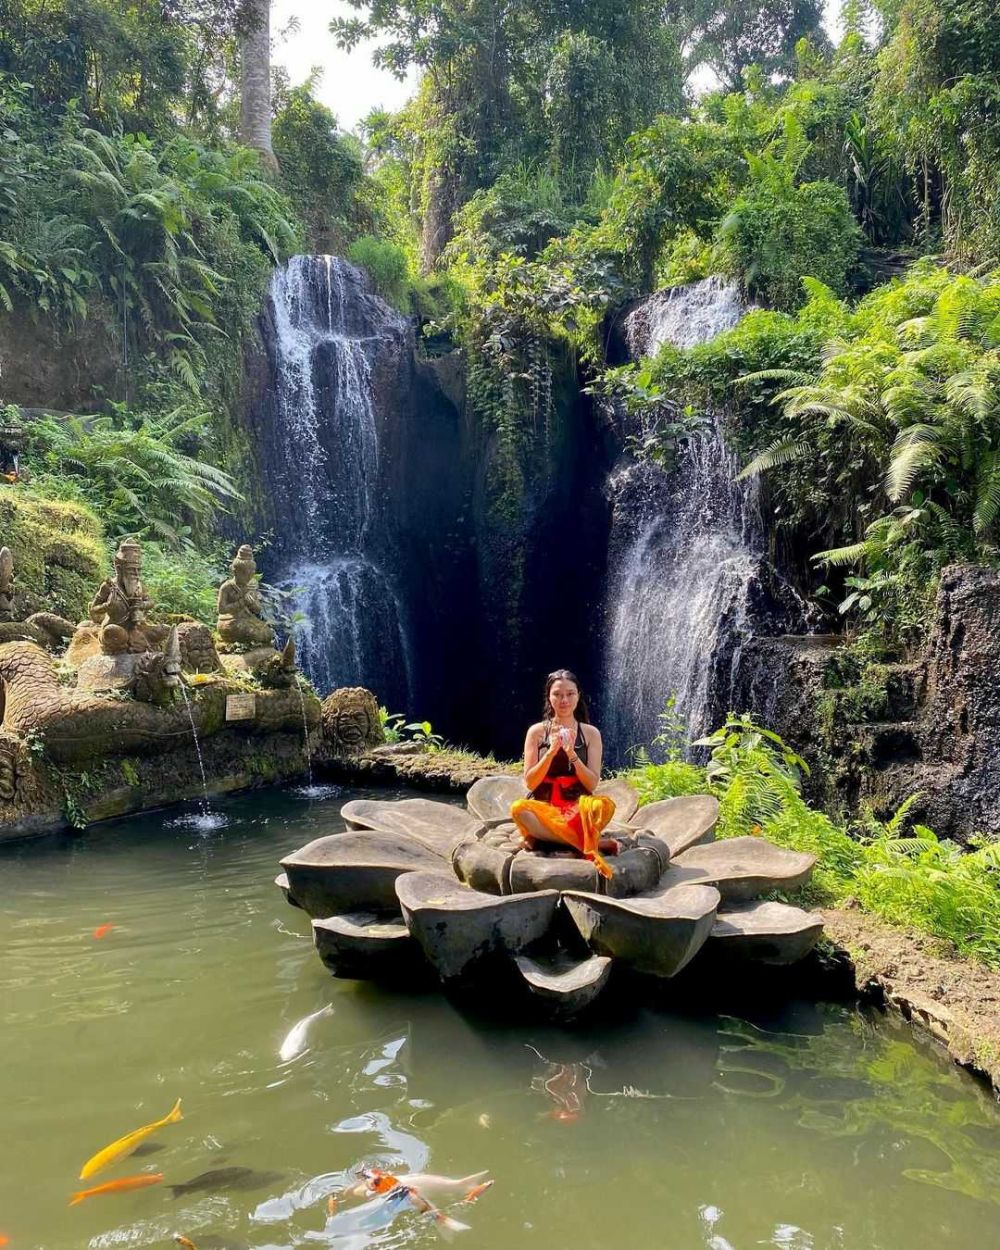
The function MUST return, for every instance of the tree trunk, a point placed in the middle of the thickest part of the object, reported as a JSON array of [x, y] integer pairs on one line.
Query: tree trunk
[[255, 79]]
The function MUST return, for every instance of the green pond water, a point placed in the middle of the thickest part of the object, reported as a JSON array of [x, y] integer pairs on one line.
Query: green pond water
[[815, 1127]]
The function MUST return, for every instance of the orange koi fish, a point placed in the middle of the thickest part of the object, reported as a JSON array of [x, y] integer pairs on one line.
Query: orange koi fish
[[120, 1186], [125, 1145], [186, 1242], [4, 1241], [103, 930], [331, 1206]]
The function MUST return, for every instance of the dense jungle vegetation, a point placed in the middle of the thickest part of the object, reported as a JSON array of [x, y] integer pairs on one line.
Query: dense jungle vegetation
[[555, 161]]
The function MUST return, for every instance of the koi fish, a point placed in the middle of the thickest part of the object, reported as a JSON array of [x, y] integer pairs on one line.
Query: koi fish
[[125, 1145], [186, 1242], [120, 1186], [103, 930], [477, 1191], [446, 1223], [331, 1206], [456, 1189], [295, 1043], [225, 1178], [4, 1241]]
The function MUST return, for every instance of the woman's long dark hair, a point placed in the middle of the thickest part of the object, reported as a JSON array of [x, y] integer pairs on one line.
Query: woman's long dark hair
[[563, 674]]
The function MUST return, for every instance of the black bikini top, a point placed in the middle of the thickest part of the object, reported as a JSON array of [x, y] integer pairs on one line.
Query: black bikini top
[[560, 766]]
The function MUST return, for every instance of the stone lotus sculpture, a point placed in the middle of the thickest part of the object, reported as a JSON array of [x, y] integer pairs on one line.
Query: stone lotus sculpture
[[417, 883]]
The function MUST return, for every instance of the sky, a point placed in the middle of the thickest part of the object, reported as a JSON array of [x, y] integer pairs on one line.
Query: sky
[[351, 85]]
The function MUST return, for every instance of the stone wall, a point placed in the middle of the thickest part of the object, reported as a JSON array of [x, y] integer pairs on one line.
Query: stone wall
[[930, 727]]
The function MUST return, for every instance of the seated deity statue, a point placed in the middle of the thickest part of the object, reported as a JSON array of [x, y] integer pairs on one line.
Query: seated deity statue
[[121, 601], [241, 621]]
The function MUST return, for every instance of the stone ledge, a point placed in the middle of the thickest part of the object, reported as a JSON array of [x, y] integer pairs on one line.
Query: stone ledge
[[449, 772], [952, 999]]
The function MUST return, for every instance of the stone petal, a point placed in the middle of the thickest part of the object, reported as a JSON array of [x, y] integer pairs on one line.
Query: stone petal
[[281, 881], [774, 933], [656, 933], [353, 871], [364, 946], [489, 798], [742, 868], [682, 821], [483, 867], [624, 796], [566, 986], [460, 929], [439, 826]]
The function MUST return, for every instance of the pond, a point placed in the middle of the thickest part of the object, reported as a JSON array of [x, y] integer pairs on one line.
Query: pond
[[817, 1127]]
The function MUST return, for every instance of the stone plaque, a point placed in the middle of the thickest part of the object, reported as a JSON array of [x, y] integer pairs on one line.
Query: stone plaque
[[241, 706]]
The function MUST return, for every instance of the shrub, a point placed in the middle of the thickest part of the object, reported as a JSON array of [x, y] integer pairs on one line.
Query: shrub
[[776, 233], [387, 265]]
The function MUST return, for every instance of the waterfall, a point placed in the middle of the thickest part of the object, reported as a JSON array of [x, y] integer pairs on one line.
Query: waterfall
[[688, 579], [330, 338]]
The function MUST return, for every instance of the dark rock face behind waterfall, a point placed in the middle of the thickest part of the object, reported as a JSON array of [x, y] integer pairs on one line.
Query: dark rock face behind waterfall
[[689, 579], [380, 489]]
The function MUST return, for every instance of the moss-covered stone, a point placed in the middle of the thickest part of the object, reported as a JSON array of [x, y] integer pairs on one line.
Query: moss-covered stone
[[59, 552]]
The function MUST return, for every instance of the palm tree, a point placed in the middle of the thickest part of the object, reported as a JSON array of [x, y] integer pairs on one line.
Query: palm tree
[[255, 79]]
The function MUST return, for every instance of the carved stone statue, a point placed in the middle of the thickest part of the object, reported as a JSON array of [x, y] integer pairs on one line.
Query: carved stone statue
[[240, 610], [6, 584], [150, 676], [350, 720], [120, 601]]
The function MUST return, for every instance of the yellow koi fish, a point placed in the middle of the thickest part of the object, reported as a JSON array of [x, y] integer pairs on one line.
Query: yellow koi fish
[[125, 1145]]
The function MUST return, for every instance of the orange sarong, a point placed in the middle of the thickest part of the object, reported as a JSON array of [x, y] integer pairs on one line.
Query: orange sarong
[[576, 821]]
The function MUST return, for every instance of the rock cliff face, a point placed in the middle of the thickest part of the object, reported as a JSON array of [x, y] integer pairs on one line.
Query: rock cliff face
[[930, 727], [380, 486]]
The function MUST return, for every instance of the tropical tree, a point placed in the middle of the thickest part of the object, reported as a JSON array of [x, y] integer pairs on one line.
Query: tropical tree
[[255, 79]]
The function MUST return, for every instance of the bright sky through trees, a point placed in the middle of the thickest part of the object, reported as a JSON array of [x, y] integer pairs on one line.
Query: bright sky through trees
[[351, 85]]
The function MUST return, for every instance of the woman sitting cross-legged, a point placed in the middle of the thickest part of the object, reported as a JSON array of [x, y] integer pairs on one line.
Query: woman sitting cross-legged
[[562, 767]]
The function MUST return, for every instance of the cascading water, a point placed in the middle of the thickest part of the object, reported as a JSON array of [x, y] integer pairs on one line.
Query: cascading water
[[688, 580], [330, 334]]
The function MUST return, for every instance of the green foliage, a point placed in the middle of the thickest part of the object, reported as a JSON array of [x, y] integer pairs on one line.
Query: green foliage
[[322, 170], [387, 265], [183, 581], [896, 437], [934, 885], [780, 230], [423, 732], [176, 239], [141, 473], [391, 723], [916, 880]]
